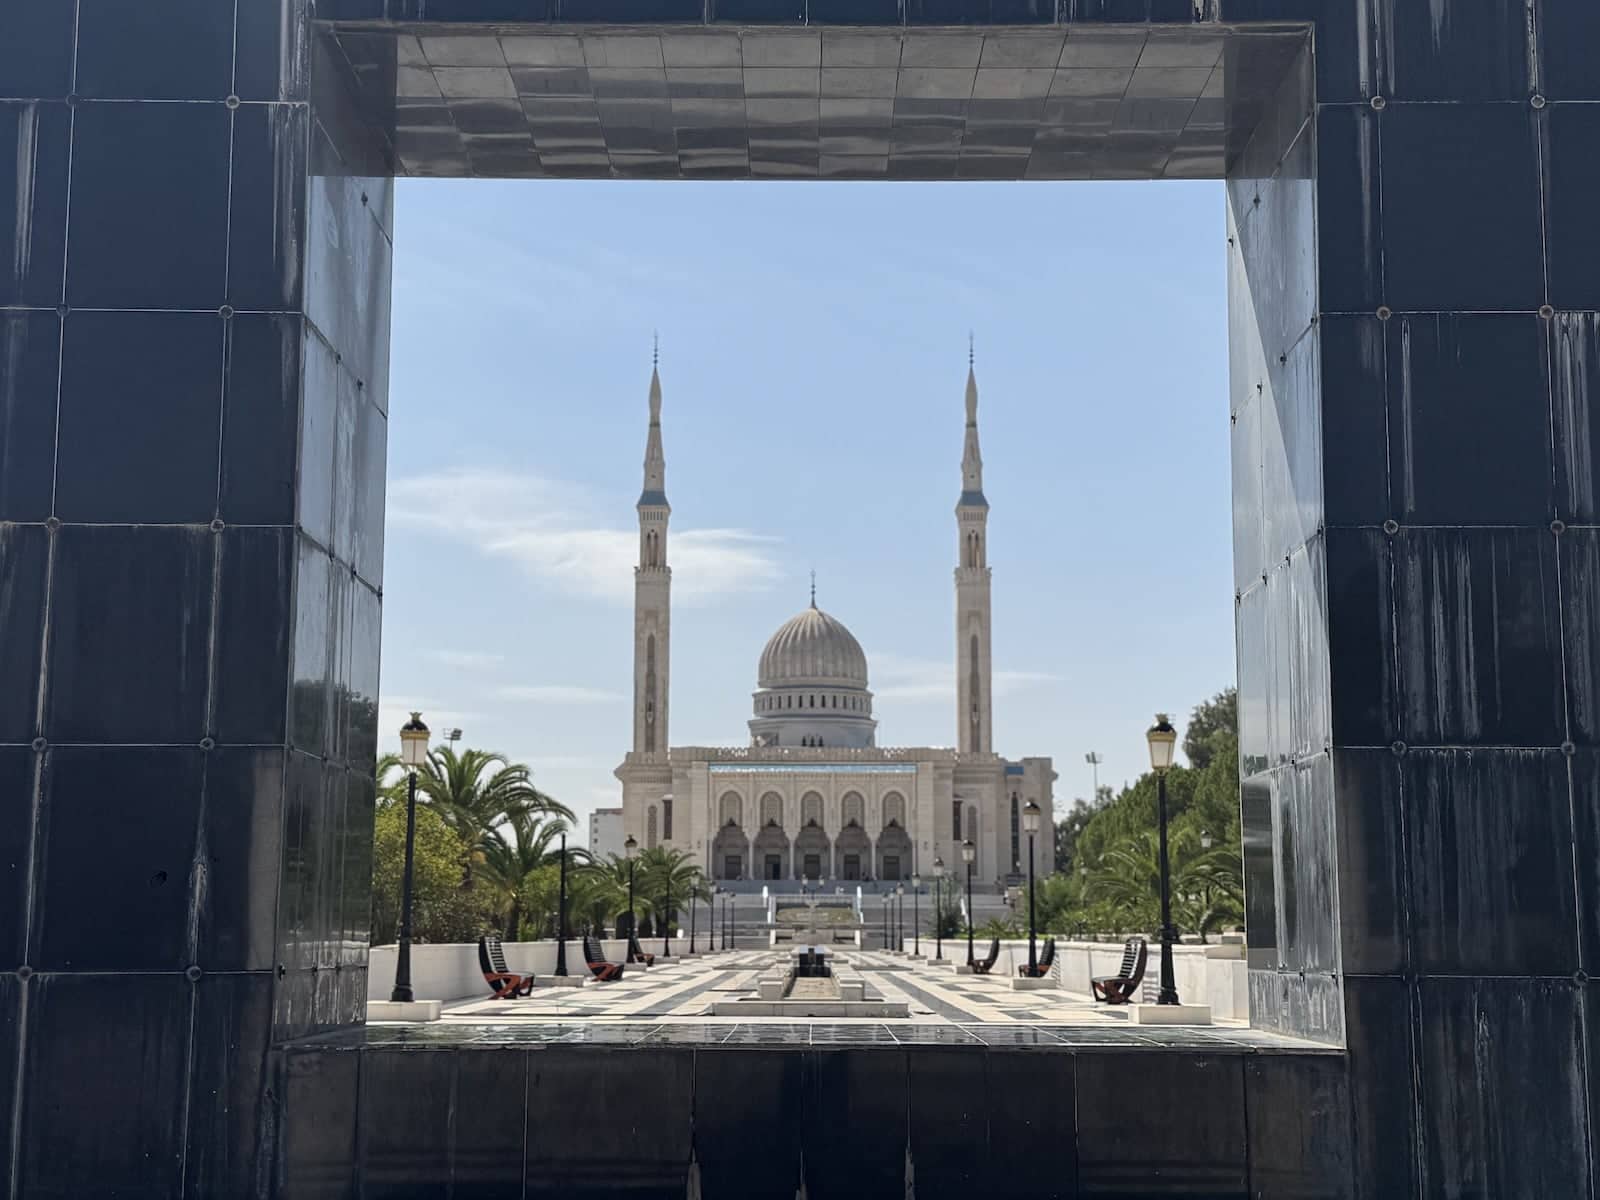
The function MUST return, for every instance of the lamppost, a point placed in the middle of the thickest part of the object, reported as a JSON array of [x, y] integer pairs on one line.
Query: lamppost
[[561, 920], [1163, 740], [938, 913], [413, 754], [630, 848], [666, 915], [1030, 825], [692, 901], [969, 855], [714, 899], [900, 918], [886, 943], [916, 916], [730, 922], [1094, 760]]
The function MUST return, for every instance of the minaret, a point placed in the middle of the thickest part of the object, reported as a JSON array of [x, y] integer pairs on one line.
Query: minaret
[[975, 708], [652, 588]]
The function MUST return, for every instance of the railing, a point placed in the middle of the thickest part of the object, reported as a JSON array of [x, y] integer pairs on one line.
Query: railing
[[824, 754]]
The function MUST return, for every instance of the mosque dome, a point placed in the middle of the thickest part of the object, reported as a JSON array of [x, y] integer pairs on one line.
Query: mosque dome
[[813, 649]]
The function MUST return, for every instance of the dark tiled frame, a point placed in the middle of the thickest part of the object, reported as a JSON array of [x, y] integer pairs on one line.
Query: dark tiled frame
[[1417, 628]]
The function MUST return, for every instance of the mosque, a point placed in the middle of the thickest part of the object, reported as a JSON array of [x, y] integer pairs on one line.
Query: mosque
[[812, 796]]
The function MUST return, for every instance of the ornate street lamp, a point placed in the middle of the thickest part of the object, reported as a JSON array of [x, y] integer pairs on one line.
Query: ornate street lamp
[[969, 855], [630, 848], [693, 901], [886, 944], [916, 916], [413, 755], [938, 913], [1030, 825], [561, 920], [666, 915], [1163, 739], [900, 918]]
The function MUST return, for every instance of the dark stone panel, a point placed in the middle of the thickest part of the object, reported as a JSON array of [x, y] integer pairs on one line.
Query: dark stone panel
[[490, 1123], [311, 699], [260, 419], [318, 1110], [16, 848], [857, 1104], [1591, 1028], [160, 468], [173, 50], [406, 1107], [133, 671], [621, 10], [1483, 157], [642, 1144], [1355, 423], [149, 218], [361, 792], [1573, 176], [36, 50], [229, 1099], [1260, 887], [1502, 1092], [141, 859], [1585, 774], [10, 1025], [35, 146], [1569, 31], [950, 1121], [240, 854], [1579, 550], [1368, 798], [1031, 1105], [267, 221], [254, 598], [366, 630], [1575, 371], [943, 12], [1479, 637], [1249, 522], [347, 274], [1379, 1023], [1349, 213], [1291, 451], [271, 62], [301, 793], [319, 412], [1297, 1110], [1307, 868], [1476, 50], [124, 1136], [24, 570], [1489, 843], [1181, 1132], [747, 1121], [1361, 637], [1470, 412], [30, 356], [759, 12]]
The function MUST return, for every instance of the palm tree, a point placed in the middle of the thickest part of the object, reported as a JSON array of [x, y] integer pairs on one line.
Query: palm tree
[[668, 877], [517, 856], [477, 791], [605, 884]]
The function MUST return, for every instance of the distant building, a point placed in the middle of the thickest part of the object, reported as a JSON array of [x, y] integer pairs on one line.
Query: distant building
[[605, 832], [812, 795]]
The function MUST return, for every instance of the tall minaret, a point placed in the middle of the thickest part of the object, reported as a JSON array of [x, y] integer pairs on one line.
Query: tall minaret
[[652, 589], [975, 708]]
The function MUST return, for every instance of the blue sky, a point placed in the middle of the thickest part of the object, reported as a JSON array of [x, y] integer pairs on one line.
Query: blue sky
[[813, 360]]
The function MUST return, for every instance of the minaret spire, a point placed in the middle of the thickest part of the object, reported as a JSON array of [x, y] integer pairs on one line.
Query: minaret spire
[[972, 456], [975, 709], [813, 587], [655, 458]]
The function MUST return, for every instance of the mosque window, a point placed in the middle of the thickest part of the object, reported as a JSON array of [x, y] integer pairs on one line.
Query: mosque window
[[650, 829], [666, 819], [955, 819]]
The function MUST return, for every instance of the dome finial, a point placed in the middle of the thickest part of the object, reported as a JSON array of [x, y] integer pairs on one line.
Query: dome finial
[[655, 348], [813, 587]]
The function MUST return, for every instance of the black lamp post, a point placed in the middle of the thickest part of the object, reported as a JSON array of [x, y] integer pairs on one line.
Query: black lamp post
[[1030, 823], [730, 922], [900, 919], [631, 849], [692, 900], [969, 854], [666, 917], [561, 918], [413, 754], [938, 914], [1163, 739], [886, 943], [916, 916]]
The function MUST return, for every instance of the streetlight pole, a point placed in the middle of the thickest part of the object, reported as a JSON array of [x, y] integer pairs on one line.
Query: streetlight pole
[[730, 922], [916, 916], [561, 920], [900, 919], [938, 914], [666, 915], [969, 854], [631, 849], [1094, 760], [1163, 739], [1030, 822], [413, 754], [693, 899]]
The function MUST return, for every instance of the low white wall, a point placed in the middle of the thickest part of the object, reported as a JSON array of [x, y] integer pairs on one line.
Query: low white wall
[[1201, 979], [450, 971]]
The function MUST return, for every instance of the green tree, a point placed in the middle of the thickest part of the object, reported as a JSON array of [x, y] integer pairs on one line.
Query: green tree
[[441, 912], [668, 877], [605, 883], [1218, 716], [521, 856]]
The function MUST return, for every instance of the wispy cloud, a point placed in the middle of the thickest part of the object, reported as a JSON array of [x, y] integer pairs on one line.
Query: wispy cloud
[[466, 660], [898, 677], [558, 694], [544, 526]]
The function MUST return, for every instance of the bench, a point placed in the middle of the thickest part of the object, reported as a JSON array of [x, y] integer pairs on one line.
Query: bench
[[595, 957], [1119, 988], [984, 965], [1046, 961], [492, 961], [636, 952]]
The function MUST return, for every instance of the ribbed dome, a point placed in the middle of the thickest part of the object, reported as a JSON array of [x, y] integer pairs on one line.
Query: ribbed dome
[[813, 648]]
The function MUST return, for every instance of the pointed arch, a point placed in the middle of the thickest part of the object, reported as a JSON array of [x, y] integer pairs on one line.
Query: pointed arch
[[650, 838], [730, 809]]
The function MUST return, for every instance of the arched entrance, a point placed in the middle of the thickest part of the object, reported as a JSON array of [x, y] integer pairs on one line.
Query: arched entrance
[[730, 853], [811, 853], [894, 853], [770, 854], [852, 853]]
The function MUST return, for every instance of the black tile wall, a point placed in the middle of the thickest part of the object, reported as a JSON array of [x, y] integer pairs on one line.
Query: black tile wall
[[747, 1121], [24, 570], [35, 145], [17, 765]]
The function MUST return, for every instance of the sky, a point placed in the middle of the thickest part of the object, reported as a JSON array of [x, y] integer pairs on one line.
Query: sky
[[813, 358]]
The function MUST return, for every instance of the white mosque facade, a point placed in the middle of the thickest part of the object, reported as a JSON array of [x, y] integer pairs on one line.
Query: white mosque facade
[[812, 796]]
